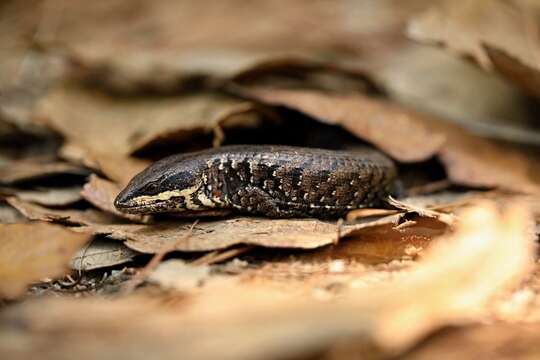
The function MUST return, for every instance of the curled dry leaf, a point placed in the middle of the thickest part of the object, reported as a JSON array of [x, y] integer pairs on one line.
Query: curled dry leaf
[[33, 251], [102, 124], [65, 216], [366, 118], [432, 80], [448, 219], [101, 193], [116, 167], [500, 35], [409, 136], [447, 287]]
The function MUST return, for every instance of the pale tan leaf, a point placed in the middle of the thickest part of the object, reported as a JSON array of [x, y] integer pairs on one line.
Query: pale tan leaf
[[33, 251]]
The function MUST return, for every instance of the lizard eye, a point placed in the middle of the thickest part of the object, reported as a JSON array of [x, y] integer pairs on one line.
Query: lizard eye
[[151, 188]]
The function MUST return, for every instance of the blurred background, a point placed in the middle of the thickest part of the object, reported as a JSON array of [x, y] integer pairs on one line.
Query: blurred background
[[164, 48]]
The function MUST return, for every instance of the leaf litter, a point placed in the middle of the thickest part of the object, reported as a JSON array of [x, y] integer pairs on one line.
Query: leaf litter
[[107, 100], [297, 325]]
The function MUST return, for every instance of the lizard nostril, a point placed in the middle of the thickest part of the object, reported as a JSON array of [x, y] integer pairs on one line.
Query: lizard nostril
[[121, 200]]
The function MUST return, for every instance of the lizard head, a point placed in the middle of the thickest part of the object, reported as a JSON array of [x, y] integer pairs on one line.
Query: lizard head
[[171, 184]]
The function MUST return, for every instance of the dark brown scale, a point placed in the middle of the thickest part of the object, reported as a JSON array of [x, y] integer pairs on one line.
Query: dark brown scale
[[276, 184]]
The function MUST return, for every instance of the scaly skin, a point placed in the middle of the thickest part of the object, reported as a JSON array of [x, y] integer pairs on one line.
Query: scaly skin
[[274, 181]]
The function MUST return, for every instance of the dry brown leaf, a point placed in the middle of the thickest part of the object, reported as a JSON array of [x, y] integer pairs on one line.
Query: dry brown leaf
[[364, 117], [383, 243], [448, 219], [101, 193], [33, 251], [206, 235], [102, 124], [305, 73], [410, 136], [264, 323], [118, 168], [23, 170], [498, 34], [66, 216], [432, 80]]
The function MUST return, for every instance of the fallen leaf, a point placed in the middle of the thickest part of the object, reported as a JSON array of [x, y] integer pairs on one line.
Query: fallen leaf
[[448, 219], [206, 235], [379, 244], [409, 136], [81, 115], [499, 35], [33, 251], [431, 79], [101, 253], [65, 216], [305, 73], [116, 167]]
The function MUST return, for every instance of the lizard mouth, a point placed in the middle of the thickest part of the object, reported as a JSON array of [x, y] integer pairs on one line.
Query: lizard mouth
[[166, 201], [157, 206]]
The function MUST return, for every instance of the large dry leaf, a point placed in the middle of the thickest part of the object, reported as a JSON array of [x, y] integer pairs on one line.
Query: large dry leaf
[[447, 287], [119, 168], [209, 234], [432, 80], [498, 34], [65, 216], [410, 136], [102, 124], [33, 251]]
